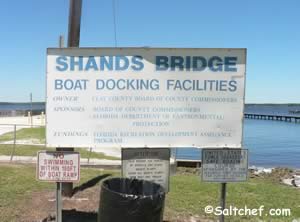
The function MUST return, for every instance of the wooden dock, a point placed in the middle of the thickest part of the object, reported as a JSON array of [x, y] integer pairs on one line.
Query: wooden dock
[[188, 163], [278, 117]]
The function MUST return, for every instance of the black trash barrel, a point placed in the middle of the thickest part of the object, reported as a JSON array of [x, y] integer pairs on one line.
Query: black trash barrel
[[131, 200]]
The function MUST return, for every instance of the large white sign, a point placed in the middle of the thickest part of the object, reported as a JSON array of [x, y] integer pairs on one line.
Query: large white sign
[[224, 165], [141, 97], [147, 164], [58, 166]]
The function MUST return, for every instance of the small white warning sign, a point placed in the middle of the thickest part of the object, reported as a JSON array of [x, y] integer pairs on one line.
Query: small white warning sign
[[224, 165], [58, 166], [147, 164]]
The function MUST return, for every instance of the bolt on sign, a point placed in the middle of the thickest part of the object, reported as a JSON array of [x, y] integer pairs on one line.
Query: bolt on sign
[[224, 165], [145, 97], [61, 166], [147, 164]]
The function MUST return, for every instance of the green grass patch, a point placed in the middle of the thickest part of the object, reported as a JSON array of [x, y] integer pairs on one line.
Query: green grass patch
[[187, 196], [36, 133], [16, 183], [190, 196], [31, 150]]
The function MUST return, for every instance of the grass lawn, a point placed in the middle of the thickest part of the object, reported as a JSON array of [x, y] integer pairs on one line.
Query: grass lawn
[[190, 195], [30, 150], [37, 133], [18, 182], [187, 196]]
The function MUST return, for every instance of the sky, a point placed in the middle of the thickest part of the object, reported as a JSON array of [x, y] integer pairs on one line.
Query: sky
[[269, 29]]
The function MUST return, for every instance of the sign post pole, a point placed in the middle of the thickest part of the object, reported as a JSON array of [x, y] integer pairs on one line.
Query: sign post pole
[[58, 203], [222, 200], [74, 23], [65, 167], [31, 109], [73, 41], [14, 147]]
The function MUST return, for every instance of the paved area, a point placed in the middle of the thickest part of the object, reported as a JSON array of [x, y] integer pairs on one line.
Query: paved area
[[7, 123]]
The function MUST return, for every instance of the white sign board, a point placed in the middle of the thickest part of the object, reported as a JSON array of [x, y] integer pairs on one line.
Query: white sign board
[[145, 97], [224, 165], [58, 166], [147, 164]]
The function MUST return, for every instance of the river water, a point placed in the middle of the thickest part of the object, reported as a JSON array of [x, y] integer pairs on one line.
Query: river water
[[270, 143]]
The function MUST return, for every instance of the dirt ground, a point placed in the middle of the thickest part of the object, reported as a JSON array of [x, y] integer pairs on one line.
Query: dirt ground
[[81, 207]]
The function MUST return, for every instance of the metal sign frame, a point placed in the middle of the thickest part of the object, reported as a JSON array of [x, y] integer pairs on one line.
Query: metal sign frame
[[226, 149]]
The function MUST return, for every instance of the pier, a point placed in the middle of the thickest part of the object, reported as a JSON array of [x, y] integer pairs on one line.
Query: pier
[[188, 163], [278, 117]]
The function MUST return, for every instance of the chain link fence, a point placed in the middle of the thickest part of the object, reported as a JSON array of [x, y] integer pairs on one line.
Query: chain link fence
[[21, 139]]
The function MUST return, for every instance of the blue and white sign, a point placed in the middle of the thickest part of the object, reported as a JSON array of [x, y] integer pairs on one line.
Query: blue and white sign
[[145, 97]]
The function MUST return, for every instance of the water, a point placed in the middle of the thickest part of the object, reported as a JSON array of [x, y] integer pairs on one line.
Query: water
[[273, 143], [270, 143], [21, 106]]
